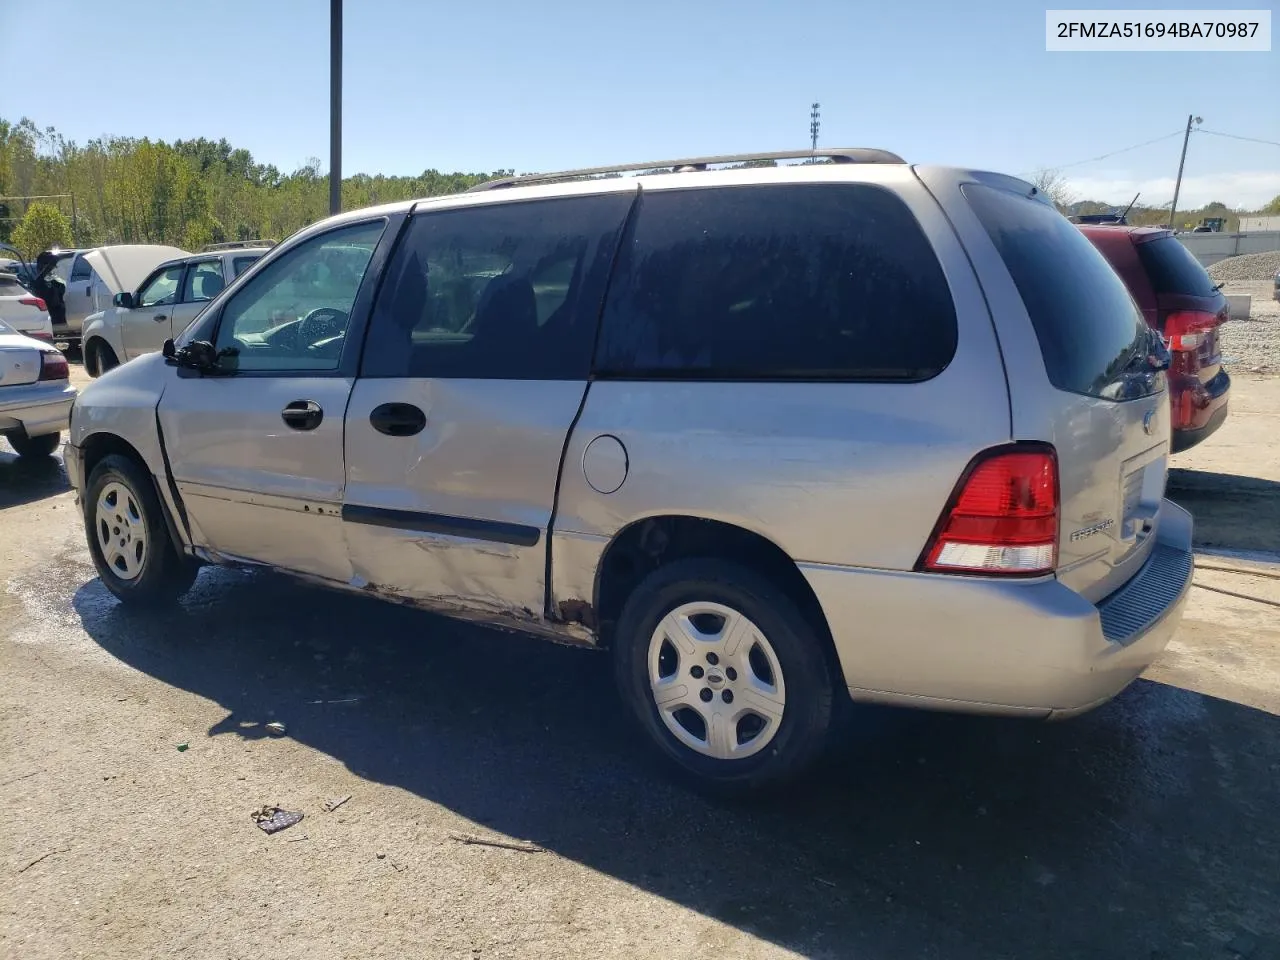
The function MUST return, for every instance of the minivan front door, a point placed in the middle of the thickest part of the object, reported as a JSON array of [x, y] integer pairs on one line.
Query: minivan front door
[[256, 450], [475, 367]]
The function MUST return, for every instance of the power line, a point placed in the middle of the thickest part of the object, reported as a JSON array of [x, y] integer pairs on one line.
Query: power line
[[1233, 136], [1114, 153]]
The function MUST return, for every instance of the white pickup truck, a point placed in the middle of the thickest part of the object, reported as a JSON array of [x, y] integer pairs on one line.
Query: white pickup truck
[[93, 278]]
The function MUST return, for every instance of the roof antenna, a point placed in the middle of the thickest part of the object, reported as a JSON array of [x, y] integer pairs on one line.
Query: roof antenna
[[1124, 213]]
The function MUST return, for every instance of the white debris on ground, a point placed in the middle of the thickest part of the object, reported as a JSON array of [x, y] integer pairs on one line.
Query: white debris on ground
[[1247, 267]]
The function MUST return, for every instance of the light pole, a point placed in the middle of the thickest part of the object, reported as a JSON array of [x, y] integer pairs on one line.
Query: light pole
[[815, 123], [335, 106], [1177, 187]]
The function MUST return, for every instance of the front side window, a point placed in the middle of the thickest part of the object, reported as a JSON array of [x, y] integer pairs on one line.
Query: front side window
[[203, 281], [81, 270], [295, 313], [499, 291], [787, 282], [162, 289]]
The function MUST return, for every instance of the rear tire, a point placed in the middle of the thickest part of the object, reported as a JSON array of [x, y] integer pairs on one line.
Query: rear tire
[[737, 715], [128, 538], [45, 445], [101, 358]]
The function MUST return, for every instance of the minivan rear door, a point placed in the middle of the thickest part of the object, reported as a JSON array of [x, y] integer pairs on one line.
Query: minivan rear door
[[1085, 373], [475, 367]]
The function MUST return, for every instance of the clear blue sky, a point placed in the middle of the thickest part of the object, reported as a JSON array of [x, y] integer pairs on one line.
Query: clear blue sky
[[480, 86]]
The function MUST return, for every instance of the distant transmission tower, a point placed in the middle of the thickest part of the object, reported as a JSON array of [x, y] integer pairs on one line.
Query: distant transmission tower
[[815, 124]]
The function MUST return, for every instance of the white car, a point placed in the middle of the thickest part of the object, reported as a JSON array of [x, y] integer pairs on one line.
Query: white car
[[163, 305], [94, 277], [23, 310], [35, 394]]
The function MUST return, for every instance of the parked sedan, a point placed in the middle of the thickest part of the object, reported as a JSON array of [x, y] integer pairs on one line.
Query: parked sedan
[[35, 394], [1179, 299], [23, 310]]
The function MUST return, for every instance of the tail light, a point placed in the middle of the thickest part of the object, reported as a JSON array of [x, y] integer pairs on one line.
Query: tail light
[[1185, 330], [1003, 517], [53, 366], [34, 302], [41, 335]]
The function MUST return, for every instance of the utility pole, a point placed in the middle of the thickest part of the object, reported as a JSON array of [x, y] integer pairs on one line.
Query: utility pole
[[1177, 187], [335, 106], [815, 122]]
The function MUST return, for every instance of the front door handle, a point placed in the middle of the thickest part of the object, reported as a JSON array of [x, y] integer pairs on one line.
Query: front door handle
[[302, 414], [398, 419], [161, 318]]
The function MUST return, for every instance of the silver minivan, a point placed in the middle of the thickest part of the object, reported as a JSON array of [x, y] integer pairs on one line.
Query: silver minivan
[[771, 435]]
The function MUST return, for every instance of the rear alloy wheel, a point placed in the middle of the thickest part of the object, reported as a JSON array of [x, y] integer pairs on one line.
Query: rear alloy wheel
[[45, 445], [103, 359], [127, 536], [724, 674]]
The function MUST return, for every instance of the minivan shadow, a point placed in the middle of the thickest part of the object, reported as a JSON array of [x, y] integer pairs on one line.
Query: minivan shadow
[[1232, 512], [924, 835]]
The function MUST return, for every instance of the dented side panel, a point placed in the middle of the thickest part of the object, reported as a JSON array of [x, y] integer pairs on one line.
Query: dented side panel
[[447, 515]]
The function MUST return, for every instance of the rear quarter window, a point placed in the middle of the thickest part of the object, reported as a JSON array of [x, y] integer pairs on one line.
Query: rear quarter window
[[1086, 322], [1173, 269], [785, 282]]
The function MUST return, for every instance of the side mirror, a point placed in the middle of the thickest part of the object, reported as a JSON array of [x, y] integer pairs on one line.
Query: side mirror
[[168, 351], [123, 300], [202, 355]]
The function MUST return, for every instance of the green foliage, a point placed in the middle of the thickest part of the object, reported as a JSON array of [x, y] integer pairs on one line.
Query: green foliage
[[187, 193], [1272, 208], [42, 228]]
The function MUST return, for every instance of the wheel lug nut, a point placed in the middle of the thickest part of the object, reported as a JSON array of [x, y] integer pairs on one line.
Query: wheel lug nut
[[696, 672], [731, 673], [712, 659], [705, 694], [727, 696]]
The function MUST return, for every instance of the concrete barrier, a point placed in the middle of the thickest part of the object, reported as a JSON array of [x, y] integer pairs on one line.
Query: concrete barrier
[[1209, 248], [1240, 305]]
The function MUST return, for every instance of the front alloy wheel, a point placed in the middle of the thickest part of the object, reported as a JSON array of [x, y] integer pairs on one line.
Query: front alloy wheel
[[128, 540], [121, 531]]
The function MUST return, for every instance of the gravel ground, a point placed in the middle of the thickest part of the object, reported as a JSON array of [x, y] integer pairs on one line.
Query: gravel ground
[[1253, 345], [1247, 267]]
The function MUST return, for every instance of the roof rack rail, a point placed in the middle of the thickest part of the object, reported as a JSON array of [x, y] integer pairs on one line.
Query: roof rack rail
[[237, 245], [835, 155]]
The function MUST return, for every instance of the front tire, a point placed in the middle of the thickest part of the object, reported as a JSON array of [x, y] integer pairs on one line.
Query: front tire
[[30, 448], [128, 539], [724, 675], [101, 359]]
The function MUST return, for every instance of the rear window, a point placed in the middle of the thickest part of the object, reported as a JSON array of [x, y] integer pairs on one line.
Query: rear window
[[803, 282], [1173, 269], [1087, 324]]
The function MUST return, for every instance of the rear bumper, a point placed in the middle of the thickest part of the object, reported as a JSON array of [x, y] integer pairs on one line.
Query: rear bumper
[[38, 408], [989, 646]]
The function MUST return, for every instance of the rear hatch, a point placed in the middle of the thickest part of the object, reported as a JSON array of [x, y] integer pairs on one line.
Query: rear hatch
[[1104, 407], [1189, 306]]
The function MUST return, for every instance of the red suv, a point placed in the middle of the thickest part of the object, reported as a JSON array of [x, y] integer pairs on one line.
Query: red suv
[[1179, 300]]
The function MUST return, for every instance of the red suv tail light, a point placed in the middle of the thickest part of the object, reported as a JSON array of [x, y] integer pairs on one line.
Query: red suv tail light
[[1184, 330], [34, 302], [1003, 517], [53, 366]]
